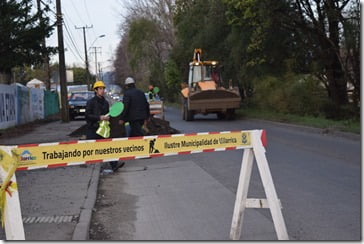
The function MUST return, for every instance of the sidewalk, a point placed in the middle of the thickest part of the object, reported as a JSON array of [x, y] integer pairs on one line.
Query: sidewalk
[[57, 203], [170, 199]]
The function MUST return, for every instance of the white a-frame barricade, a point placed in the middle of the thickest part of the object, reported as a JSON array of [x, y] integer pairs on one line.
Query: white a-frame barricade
[[241, 202], [61, 154]]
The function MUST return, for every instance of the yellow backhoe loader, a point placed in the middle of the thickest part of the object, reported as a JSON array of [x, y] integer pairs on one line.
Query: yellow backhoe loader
[[205, 91]]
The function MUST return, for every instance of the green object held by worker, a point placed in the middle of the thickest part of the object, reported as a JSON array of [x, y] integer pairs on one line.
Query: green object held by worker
[[116, 109], [104, 126], [155, 90]]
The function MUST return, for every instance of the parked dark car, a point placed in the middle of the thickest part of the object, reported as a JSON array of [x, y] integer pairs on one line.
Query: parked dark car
[[77, 103]]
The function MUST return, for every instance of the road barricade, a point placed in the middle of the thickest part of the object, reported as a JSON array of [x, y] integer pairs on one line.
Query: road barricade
[[61, 154]]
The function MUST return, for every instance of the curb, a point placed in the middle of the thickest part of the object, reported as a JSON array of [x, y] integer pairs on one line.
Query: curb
[[81, 231], [329, 132]]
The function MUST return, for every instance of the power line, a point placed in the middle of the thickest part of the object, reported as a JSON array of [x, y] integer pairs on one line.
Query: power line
[[73, 43], [47, 5], [72, 23], [52, 17], [70, 33], [88, 16], [84, 3], [78, 14], [70, 37], [70, 49], [68, 45], [86, 59]]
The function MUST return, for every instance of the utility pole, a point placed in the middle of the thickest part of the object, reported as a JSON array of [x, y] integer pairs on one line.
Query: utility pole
[[45, 54], [100, 72], [86, 58], [96, 51], [62, 65]]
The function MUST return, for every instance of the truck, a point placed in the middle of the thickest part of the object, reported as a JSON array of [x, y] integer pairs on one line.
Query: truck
[[205, 91]]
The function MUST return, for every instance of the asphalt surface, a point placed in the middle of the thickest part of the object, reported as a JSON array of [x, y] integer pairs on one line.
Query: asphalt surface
[[192, 197], [316, 174]]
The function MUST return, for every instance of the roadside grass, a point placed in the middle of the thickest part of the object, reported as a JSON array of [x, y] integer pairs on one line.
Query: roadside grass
[[352, 126]]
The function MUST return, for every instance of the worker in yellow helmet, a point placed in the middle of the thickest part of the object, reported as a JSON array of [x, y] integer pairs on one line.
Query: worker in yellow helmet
[[96, 110]]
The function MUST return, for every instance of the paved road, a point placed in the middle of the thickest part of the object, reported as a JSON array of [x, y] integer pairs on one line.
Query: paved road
[[191, 197], [317, 177]]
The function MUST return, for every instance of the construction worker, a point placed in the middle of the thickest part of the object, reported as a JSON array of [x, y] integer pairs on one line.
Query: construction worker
[[96, 110], [151, 94], [215, 76], [136, 108]]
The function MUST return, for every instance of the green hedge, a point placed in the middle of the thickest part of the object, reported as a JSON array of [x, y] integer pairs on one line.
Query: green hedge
[[301, 95]]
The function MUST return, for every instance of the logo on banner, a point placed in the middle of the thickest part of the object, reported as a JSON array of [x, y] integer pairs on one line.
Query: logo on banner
[[244, 138], [26, 156]]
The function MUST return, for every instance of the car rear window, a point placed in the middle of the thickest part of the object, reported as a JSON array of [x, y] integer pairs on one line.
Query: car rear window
[[81, 96]]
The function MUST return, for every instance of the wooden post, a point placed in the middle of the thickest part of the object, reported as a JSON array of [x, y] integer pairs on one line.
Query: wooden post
[[62, 65], [270, 191], [241, 194]]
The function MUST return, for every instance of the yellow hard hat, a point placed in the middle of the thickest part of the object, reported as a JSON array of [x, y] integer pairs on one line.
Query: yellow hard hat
[[99, 83]]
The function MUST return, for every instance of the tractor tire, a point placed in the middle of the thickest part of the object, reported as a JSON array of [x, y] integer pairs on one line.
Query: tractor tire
[[184, 108], [189, 115], [186, 114], [230, 114], [220, 115]]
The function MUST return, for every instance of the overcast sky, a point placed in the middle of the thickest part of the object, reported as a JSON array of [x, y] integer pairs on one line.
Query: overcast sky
[[104, 16]]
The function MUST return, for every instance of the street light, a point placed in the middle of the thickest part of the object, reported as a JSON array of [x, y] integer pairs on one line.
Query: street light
[[100, 36]]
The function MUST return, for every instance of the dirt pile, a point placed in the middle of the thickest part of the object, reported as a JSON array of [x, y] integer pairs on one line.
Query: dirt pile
[[160, 127]]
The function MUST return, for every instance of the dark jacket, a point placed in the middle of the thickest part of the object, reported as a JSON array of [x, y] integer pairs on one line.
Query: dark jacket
[[95, 107], [136, 106]]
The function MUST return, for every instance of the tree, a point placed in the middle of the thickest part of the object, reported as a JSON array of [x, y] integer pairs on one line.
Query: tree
[[253, 39], [201, 24], [351, 52], [146, 40], [173, 79], [259, 43], [320, 37], [21, 36], [142, 43], [188, 19], [324, 24], [79, 75], [122, 67]]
